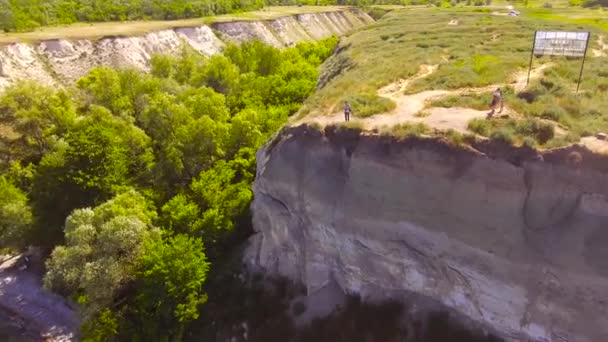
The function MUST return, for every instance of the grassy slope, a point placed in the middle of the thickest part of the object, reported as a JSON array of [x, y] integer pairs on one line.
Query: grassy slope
[[133, 28], [481, 50]]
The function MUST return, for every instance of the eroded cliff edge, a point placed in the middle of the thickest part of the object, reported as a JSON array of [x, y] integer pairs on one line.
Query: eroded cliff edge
[[62, 61], [512, 238]]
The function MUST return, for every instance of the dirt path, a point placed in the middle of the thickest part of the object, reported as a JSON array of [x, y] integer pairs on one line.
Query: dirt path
[[603, 48], [409, 107], [33, 312]]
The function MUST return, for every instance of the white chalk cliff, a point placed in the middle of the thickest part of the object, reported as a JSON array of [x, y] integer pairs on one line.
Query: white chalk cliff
[[511, 238], [60, 61]]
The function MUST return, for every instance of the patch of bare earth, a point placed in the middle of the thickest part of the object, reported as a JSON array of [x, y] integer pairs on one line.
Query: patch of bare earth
[[28, 311], [602, 50]]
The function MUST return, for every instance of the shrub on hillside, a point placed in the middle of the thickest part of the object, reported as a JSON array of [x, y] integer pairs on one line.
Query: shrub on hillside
[[539, 130], [512, 131], [503, 135], [365, 105], [408, 130], [481, 126]]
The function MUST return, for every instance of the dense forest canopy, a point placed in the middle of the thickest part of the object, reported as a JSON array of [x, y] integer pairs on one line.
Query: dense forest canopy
[[137, 182]]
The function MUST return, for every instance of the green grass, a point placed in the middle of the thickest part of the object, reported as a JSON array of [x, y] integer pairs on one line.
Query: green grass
[[96, 31], [407, 130], [479, 101], [364, 105], [577, 16], [529, 131], [482, 50]]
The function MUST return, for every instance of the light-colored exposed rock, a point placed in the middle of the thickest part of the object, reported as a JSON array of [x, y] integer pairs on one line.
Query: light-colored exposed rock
[[20, 61], [514, 240], [289, 31], [62, 61], [249, 30]]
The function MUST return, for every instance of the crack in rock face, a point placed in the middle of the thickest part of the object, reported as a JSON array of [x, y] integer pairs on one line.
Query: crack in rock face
[[516, 241]]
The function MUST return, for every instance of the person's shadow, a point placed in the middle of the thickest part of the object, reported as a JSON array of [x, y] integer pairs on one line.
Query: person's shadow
[[490, 114]]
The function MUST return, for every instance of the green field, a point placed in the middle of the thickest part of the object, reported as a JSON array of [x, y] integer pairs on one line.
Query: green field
[[478, 49]]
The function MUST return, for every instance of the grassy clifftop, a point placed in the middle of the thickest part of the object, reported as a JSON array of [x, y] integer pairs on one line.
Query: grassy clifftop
[[450, 60]]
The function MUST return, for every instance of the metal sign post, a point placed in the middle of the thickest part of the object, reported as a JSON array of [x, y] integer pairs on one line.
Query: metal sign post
[[559, 43], [582, 66], [531, 57]]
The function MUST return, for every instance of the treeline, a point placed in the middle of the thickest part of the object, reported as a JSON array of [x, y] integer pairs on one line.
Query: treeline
[[138, 182], [20, 15], [25, 15]]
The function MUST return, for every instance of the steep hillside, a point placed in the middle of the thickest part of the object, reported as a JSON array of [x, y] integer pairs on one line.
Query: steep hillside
[[498, 216], [59, 61], [509, 237]]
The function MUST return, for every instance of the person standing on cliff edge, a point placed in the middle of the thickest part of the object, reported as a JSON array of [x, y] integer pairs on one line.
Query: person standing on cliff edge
[[496, 100], [347, 111]]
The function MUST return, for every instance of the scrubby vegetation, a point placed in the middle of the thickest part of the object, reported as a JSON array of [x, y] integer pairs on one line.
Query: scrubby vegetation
[[364, 105], [407, 130], [480, 50], [139, 183], [530, 131]]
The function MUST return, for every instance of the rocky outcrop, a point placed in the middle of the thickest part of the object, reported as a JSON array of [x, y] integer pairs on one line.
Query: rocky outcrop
[[62, 61], [511, 238]]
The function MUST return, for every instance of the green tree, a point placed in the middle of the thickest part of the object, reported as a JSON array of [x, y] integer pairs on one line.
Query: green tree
[[205, 101], [100, 157], [218, 73], [217, 199], [102, 328], [39, 116], [197, 146], [172, 273], [244, 132], [103, 246], [15, 216]]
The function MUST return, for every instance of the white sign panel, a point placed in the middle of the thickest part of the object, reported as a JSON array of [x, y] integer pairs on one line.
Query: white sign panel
[[560, 43]]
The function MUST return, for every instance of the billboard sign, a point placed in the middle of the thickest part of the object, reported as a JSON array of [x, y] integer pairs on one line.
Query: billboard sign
[[560, 43]]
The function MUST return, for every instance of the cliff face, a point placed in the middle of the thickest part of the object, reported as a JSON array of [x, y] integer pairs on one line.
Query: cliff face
[[510, 238], [60, 61]]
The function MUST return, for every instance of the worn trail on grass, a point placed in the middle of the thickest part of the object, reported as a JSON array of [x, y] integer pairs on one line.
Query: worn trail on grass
[[413, 107], [602, 50]]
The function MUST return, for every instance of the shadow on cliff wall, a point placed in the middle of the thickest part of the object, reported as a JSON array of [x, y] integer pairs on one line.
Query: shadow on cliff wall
[[258, 310]]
